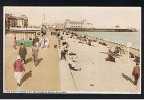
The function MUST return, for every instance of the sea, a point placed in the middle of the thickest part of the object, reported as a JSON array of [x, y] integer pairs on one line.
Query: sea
[[118, 37]]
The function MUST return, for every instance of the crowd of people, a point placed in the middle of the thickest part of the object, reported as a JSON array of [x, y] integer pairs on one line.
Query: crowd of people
[[112, 54], [66, 53]]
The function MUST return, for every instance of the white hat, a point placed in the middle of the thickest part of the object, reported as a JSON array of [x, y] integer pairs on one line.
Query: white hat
[[18, 57]]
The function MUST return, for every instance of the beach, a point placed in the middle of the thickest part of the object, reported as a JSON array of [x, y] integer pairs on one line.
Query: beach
[[134, 49], [98, 75]]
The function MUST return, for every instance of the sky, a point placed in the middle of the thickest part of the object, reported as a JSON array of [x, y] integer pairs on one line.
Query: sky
[[100, 17]]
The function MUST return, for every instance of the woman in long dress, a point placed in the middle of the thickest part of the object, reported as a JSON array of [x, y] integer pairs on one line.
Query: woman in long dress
[[46, 42], [35, 51]]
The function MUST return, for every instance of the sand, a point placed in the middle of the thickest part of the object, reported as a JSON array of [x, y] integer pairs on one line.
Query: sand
[[97, 75]]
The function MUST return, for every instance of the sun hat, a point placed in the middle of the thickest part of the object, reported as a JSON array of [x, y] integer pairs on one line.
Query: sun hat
[[18, 57]]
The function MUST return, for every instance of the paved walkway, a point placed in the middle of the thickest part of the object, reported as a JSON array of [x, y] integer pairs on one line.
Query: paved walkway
[[96, 75], [43, 77]]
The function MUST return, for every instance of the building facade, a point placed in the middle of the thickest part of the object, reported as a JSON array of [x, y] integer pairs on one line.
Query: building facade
[[77, 24], [59, 26], [14, 21]]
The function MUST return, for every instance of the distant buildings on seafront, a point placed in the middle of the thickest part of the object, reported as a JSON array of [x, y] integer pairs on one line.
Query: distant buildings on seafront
[[18, 26], [84, 25], [77, 24], [73, 25], [15, 21]]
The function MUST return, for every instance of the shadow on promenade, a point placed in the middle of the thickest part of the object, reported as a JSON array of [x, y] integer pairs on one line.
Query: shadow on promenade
[[26, 76], [127, 78], [38, 62], [28, 60]]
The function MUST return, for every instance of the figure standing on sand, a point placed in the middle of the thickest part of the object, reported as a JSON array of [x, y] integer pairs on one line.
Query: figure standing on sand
[[136, 73], [23, 52], [35, 50], [18, 70]]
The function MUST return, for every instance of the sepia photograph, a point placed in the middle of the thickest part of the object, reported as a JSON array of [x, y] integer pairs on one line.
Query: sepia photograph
[[66, 49]]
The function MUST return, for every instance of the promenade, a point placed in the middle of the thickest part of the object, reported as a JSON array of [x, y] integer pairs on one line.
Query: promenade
[[42, 78], [53, 74]]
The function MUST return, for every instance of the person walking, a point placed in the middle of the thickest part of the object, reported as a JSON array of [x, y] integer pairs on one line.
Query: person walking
[[136, 73], [18, 70], [42, 44], [35, 51], [23, 52], [46, 42], [14, 45]]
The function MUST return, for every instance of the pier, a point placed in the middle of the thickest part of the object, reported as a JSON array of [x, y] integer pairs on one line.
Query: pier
[[102, 29]]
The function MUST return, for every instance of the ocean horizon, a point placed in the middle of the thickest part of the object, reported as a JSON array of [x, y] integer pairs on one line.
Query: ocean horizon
[[117, 37]]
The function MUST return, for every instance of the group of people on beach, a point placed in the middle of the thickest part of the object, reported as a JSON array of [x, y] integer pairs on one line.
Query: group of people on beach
[[66, 53], [118, 52], [112, 54], [21, 57]]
